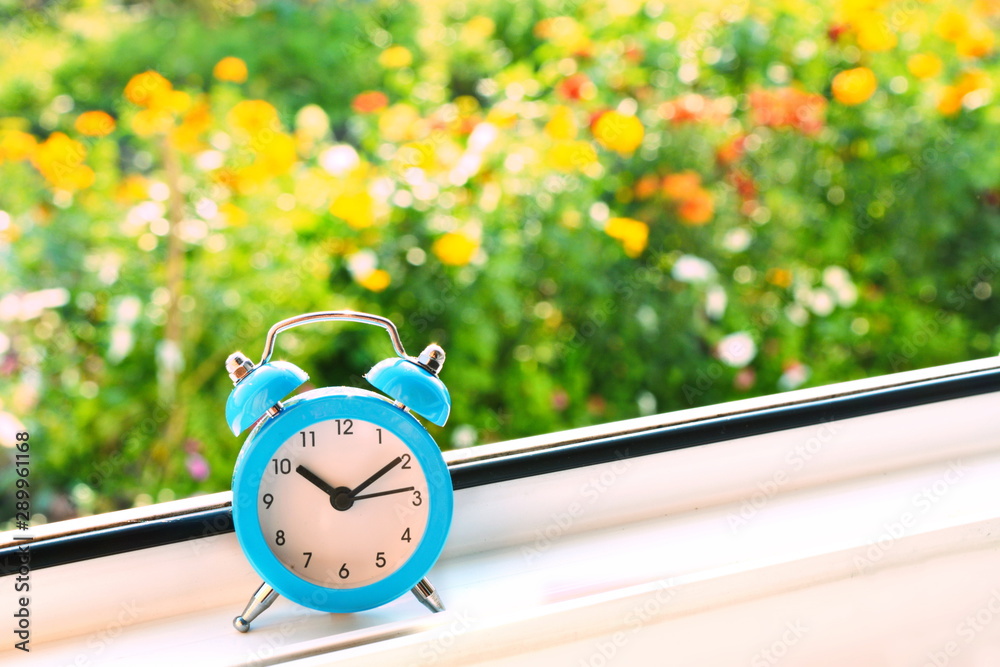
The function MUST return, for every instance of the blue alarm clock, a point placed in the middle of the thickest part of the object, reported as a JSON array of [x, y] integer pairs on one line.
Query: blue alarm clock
[[341, 499]]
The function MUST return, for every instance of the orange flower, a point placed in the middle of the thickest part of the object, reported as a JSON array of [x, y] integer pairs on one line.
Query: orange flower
[[854, 86], [634, 234], [646, 186], [60, 160], [788, 107], [147, 89], [370, 102], [618, 132], [681, 185], [455, 248], [697, 208], [94, 124], [779, 277], [376, 280], [924, 65], [253, 117], [694, 108], [977, 42], [16, 145], [231, 69], [395, 57]]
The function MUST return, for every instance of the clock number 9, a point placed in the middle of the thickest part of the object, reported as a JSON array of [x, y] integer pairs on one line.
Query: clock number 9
[[268, 500]]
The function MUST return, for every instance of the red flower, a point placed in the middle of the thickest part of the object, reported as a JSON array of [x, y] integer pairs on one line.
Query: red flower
[[575, 87], [370, 102]]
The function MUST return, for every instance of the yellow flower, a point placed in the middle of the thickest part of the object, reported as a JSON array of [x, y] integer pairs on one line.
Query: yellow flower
[[254, 116], [395, 57], [147, 89], [398, 122], [924, 65], [478, 29], [977, 42], [873, 32], [232, 215], [277, 154], [419, 154], [854, 86], [16, 145], [952, 97], [455, 249], [312, 122], [357, 209], [952, 26], [132, 188], [618, 132], [148, 122], [634, 234], [95, 124], [562, 125], [571, 155], [60, 160], [230, 68], [376, 280]]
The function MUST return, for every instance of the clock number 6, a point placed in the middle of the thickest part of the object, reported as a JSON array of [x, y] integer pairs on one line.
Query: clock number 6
[[344, 572]]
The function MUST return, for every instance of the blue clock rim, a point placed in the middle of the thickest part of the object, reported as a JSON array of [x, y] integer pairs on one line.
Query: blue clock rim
[[321, 405]]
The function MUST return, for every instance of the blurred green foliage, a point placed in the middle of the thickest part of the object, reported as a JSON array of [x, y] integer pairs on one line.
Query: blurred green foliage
[[601, 210]]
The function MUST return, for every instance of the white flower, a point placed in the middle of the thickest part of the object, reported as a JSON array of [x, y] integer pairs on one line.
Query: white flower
[[736, 350], [715, 302], [691, 269], [339, 159]]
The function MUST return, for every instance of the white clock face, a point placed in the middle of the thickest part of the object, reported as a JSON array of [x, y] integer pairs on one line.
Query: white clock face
[[343, 503]]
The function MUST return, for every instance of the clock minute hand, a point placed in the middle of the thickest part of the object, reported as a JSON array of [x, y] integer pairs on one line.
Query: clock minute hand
[[371, 480], [382, 493], [312, 477]]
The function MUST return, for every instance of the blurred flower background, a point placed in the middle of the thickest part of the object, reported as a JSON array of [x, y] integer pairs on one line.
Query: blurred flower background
[[600, 209]]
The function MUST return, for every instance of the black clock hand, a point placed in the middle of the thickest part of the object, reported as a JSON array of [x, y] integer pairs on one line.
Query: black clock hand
[[312, 477], [371, 480], [382, 493]]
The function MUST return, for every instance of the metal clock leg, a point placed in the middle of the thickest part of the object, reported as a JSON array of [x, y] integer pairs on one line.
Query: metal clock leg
[[260, 601], [424, 591]]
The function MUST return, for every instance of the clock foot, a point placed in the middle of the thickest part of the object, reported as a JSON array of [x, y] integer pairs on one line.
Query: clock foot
[[260, 601], [424, 591]]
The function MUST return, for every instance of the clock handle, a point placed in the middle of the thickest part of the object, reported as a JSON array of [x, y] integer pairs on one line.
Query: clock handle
[[331, 315]]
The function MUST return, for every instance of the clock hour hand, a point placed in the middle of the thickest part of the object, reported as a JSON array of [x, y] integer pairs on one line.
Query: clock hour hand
[[371, 480], [315, 479], [382, 493]]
